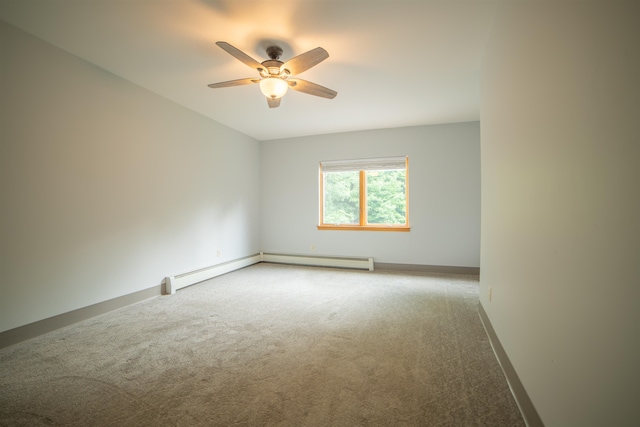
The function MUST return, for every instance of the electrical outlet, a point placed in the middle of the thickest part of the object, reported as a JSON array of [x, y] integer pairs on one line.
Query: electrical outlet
[[313, 247], [219, 254], [490, 293]]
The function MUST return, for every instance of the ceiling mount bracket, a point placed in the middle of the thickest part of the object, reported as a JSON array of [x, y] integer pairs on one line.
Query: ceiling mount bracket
[[274, 52]]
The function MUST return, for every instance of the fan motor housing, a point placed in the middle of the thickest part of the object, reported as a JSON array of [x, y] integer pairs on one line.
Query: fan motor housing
[[273, 65]]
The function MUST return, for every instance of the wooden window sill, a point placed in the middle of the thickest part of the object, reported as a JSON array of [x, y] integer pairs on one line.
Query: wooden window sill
[[366, 227]]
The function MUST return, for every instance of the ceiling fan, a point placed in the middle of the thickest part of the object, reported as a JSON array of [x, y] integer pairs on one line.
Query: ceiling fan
[[275, 75]]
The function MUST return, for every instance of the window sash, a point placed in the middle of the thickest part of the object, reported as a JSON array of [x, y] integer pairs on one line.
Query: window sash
[[370, 211]]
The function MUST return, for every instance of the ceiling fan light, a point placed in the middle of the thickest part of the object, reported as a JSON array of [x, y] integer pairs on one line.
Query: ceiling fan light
[[273, 87]]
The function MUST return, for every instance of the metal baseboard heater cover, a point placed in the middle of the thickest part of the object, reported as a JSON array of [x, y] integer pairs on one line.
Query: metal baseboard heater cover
[[173, 283], [320, 261]]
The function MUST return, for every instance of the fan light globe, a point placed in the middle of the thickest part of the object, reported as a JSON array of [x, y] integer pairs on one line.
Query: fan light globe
[[273, 87]]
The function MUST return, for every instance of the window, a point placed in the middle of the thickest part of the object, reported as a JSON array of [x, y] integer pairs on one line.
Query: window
[[367, 194]]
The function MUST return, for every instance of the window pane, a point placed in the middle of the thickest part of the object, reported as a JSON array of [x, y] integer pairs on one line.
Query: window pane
[[341, 198], [386, 197]]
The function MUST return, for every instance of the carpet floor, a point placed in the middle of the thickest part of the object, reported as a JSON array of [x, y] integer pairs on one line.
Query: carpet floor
[[270, 345]]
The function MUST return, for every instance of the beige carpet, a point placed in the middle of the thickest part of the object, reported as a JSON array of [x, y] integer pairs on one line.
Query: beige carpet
[[270, 345]]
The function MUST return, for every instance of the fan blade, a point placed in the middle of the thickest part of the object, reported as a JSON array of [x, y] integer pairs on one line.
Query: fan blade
[[241, 56], [311, 88], [238, 82], [273, 103], [304, 61]]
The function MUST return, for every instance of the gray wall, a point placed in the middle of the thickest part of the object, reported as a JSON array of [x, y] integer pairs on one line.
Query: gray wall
[[561, 206], [444, 195], [106, 188]]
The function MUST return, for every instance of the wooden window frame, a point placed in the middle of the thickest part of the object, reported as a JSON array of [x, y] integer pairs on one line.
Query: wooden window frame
[[363, 225]]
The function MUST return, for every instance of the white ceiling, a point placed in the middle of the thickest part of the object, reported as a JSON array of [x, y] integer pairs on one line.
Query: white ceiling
[[393, 62]]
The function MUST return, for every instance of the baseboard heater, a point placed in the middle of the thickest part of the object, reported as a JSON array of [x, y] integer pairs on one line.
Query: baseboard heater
[[320, 261], [173, 283]]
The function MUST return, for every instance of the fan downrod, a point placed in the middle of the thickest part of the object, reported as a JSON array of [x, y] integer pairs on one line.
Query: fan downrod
[[274, 52]]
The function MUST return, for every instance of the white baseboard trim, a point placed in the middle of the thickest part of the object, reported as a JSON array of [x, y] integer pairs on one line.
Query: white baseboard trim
[[173, 283], [445, 269], [319, 261], [528, 411], [41, 327]]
